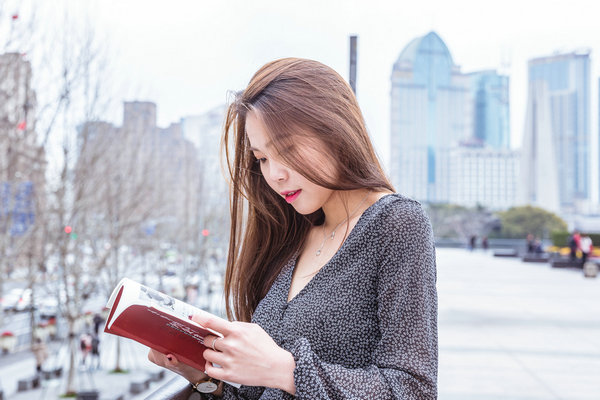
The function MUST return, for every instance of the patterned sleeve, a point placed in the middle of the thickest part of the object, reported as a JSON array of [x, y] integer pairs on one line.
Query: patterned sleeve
[[404, 362], [231, 393]]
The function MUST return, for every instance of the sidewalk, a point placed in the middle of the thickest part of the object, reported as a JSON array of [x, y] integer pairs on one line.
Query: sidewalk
[[510, 330], [133, 358]]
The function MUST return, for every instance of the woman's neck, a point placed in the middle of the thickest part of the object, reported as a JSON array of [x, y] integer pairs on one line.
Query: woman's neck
[[343, 206]]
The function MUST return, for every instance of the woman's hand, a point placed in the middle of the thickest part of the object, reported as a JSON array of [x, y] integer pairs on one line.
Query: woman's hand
[[246, 354], [170, 362]]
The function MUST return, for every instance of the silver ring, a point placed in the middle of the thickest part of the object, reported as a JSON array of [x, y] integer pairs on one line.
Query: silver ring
[[215, 341]]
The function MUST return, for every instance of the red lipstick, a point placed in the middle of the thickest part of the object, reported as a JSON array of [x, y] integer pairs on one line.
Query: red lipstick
[[291, 195]]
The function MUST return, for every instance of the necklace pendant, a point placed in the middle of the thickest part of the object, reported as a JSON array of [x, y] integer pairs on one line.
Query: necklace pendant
[[332, 235], [318, 252]]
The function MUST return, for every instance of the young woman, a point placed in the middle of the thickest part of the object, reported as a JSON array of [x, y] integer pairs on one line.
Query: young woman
[[330, 279]]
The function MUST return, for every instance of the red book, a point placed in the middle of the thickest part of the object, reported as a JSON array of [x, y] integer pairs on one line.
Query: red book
[[158, 321]]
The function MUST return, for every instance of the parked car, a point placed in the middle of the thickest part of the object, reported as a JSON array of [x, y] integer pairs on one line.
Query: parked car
[[16, 299], [48, 308]]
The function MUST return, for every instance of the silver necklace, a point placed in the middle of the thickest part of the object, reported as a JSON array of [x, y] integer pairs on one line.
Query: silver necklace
[[332, 235]]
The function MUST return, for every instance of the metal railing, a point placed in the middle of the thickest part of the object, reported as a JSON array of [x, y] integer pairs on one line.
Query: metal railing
[[177, 388], [494, 243]]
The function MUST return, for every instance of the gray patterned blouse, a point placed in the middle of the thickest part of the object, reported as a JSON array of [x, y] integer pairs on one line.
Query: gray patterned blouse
[[365, 326]]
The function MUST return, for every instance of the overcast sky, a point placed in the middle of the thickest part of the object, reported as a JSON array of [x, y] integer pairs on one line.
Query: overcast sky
[[186, 54]]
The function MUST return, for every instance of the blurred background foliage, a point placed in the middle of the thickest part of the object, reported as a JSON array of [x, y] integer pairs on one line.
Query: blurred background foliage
[[451, 221]]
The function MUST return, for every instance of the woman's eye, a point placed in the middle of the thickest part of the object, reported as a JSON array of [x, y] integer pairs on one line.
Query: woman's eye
[[261, 160]]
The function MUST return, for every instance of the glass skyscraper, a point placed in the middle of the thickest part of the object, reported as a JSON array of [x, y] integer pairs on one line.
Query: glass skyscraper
[[428, 114], [489, 95], [434, 109], [566, 78]]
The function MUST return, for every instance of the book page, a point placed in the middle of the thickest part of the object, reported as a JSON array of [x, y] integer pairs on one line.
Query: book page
[[166, 302], [135, 293]]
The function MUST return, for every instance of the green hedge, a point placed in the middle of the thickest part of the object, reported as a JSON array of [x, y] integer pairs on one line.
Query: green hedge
[[561, 239]]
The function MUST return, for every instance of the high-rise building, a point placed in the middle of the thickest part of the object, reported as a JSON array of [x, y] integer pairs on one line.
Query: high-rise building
[[205, 131], [483, 176], [155, 169], [429, 112], [539, 183], [434, 109], [17, 119], [139, 116], [595, 197], [22, 159], [489, 98], [564, 81]]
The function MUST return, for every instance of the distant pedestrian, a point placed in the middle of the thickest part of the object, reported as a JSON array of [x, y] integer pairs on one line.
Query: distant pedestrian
[[95, 362], [537, 246], [40, 352], [98, 320], [574, 244], [85, 344], [586, 247], [530, 243], [484, 243], [472, 242]]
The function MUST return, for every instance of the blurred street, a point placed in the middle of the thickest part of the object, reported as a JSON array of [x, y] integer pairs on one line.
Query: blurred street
[[87, 377], [508, 330]]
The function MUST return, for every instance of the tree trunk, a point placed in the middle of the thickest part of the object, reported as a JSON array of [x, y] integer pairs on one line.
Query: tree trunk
[[70, 388]]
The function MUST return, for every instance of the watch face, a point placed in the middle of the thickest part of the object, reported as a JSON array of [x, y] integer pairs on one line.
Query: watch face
[[207, 387]]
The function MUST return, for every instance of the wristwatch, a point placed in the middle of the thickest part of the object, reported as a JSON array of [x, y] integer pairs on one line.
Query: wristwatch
[[208, 385]]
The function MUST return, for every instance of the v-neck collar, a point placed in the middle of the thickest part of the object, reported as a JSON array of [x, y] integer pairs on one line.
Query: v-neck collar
[[292, 267]]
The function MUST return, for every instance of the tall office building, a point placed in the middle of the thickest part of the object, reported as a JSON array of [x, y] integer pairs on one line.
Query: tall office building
[[155, 168], [564, 79], [483, 176], [205, 131], [434, 109], [429, 113], [489, 99], [539, 183], [18, 148], [595, 197], [22, 159]]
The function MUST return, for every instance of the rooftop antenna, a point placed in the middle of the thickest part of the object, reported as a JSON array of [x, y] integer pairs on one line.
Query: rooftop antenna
[[505, 61]]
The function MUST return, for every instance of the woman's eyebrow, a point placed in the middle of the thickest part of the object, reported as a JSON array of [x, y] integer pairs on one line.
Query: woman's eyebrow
[[269, 144]]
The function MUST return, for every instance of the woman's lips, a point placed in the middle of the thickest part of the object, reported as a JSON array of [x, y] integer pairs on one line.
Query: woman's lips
[[291, 196]]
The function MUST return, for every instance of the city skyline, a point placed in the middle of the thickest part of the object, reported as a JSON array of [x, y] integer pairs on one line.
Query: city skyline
[[152, 30], [187, 55]]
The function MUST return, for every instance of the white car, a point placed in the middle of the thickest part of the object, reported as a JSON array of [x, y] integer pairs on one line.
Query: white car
[[48, 308], [17, 299]]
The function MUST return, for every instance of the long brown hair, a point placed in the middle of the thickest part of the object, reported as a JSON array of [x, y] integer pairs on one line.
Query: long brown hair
[[297, 100]]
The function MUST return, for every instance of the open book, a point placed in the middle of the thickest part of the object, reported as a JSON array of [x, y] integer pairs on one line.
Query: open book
[[158, 321]]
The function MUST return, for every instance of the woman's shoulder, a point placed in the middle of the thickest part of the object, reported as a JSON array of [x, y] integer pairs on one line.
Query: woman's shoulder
[[394, 207], [395, 215]]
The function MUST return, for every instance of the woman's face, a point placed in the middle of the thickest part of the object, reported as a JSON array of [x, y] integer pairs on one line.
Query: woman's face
[[305, 196]]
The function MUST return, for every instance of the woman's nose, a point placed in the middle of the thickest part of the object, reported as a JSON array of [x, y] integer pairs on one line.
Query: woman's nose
[[278, 172]]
